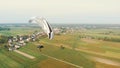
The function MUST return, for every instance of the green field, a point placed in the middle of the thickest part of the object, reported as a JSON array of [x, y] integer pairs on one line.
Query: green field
[[84, 52]]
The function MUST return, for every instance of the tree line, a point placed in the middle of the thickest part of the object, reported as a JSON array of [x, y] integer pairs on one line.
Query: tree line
[[105, 38], [4, 28]]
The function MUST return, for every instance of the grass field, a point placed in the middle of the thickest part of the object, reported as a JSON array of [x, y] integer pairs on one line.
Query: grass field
[[83, 52], [53, 49], [15, 60]]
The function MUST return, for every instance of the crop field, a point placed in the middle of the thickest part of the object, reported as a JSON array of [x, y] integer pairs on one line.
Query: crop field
[[91, 48]]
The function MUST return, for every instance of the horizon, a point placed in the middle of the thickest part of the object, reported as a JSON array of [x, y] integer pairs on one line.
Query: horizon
[[69, 23]]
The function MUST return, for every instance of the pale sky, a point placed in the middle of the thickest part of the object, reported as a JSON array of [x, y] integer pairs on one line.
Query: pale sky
[[61, 11]]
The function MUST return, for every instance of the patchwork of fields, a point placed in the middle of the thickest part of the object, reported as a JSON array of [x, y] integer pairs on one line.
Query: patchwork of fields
[[77, 51]]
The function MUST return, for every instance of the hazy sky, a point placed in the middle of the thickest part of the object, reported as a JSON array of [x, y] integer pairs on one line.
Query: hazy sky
[[61, 11]]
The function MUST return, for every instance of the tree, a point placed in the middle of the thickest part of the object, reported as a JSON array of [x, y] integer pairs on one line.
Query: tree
[[3, 39]]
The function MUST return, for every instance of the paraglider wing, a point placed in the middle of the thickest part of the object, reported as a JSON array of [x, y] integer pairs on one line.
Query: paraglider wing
[[44, 24]]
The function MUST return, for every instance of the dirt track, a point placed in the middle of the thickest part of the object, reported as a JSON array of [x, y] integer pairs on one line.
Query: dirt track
[[32, 57], [24, 54], [62, 61]]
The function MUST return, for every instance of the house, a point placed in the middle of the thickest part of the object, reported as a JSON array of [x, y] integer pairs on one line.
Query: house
[[17, 47], [57, 31], [21, 43]]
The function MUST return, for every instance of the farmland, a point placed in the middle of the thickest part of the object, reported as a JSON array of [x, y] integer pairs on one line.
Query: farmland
[[86, 47]]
